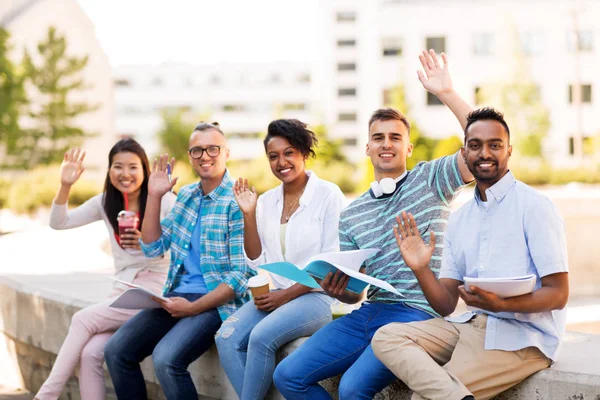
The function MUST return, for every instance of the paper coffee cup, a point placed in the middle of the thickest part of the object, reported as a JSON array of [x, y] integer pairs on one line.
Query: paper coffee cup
[[259, 285]]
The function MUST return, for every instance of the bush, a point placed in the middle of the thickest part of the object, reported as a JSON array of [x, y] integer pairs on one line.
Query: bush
[[38, 187], [546, 175], [4, 188]]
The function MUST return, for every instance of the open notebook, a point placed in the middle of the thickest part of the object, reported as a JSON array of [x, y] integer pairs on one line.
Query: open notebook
[[349, 262], [137, 297]]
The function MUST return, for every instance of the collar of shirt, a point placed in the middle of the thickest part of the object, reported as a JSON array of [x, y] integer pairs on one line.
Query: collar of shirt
[[499, 190], [309, 190], [219, 191]]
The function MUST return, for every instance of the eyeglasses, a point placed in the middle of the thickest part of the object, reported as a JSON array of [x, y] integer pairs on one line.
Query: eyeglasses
[[197, 152]]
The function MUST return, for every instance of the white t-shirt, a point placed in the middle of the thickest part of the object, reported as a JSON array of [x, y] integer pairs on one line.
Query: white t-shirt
[[128, 262], [311, 230]]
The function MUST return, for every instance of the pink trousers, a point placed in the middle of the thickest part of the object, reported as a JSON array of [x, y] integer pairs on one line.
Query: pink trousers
[[90, 329]]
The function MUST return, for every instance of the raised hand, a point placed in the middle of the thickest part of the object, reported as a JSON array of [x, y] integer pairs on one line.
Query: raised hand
[[71, 167], [436, 78], [415, 252], [159, 183], [245, 197]]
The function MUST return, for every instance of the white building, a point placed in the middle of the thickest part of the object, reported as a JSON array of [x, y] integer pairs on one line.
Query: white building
[[243, 98], [28, 21], [371, 46]]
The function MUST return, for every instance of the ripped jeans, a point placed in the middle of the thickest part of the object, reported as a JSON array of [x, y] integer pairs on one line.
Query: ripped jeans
[[255, 335]]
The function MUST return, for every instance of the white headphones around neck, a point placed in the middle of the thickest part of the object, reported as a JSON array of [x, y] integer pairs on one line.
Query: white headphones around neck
[[386, 185]]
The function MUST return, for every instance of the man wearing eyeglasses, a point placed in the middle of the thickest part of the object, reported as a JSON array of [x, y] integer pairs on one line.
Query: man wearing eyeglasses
[[208, 275]]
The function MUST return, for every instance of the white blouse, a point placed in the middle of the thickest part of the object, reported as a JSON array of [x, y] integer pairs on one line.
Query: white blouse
[[311, 230]]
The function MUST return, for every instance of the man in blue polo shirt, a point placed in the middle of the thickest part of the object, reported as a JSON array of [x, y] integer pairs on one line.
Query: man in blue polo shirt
[[507, 230], [207, 280]]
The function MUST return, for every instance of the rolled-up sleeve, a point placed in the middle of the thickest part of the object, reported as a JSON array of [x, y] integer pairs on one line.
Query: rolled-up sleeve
[[163, 243], [238, 275]]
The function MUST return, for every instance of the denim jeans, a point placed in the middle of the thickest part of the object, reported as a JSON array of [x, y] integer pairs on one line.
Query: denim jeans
[[174, 344], [248, 340], [343, 346]]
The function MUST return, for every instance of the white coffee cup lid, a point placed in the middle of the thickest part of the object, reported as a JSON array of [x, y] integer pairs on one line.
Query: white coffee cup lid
[[258, 280]]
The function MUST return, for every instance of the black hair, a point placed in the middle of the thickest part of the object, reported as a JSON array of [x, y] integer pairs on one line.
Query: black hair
[[388, 114], [296, 132], [113, 201], [486, 114]]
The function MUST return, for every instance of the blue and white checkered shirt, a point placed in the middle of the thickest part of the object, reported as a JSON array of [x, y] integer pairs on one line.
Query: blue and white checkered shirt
[[221, 241]]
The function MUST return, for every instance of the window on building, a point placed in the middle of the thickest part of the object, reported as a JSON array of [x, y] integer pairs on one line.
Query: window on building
[[304, 78], [346, 42], [157, 82], [388, 96], [588, 146], [234, 107], [346, 66], [391, 46], [294, 107], [438, 43], [533, 43], [343, 92], [350, 141], [347, 117], [483, 44], [346, 16], [122, 83], [274, 78], [586, 93], [477, 95], [432, 100], [582, 41]]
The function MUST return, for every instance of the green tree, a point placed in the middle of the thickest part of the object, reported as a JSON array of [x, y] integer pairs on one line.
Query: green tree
[[447, 146], [174, 135], [12, 100], [329, 150], [54, 79], [519, 98]]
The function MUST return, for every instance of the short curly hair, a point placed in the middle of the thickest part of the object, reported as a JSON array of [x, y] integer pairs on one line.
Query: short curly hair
[[486, 114], [296, 132]]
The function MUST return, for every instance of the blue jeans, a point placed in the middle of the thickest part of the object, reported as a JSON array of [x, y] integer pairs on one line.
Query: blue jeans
[[255, 335], [343, 346], [174, 344]]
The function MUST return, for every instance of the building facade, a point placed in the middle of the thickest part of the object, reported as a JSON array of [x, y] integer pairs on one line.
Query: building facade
[[371, 46], [243, 98]]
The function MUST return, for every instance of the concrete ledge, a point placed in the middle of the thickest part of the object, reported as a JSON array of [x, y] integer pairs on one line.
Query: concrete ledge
[[33, 325]]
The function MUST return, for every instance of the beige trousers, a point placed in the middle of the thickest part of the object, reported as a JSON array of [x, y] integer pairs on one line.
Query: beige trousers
[[441, 360]]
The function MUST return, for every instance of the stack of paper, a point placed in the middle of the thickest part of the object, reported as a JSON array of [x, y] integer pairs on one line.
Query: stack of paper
[[503, 287]]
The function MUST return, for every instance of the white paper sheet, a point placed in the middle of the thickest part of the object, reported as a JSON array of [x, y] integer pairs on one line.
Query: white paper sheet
[[136, 298], [369, 279], [352, 259], [504, 287]]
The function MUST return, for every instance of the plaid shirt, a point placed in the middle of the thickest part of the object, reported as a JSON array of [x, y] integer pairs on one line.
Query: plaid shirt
[[221, 241]]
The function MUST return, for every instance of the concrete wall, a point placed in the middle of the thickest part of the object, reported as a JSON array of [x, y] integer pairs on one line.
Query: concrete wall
[[32, 328]]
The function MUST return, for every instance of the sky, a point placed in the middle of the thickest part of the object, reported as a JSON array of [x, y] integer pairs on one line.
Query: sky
[[205, 31]]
